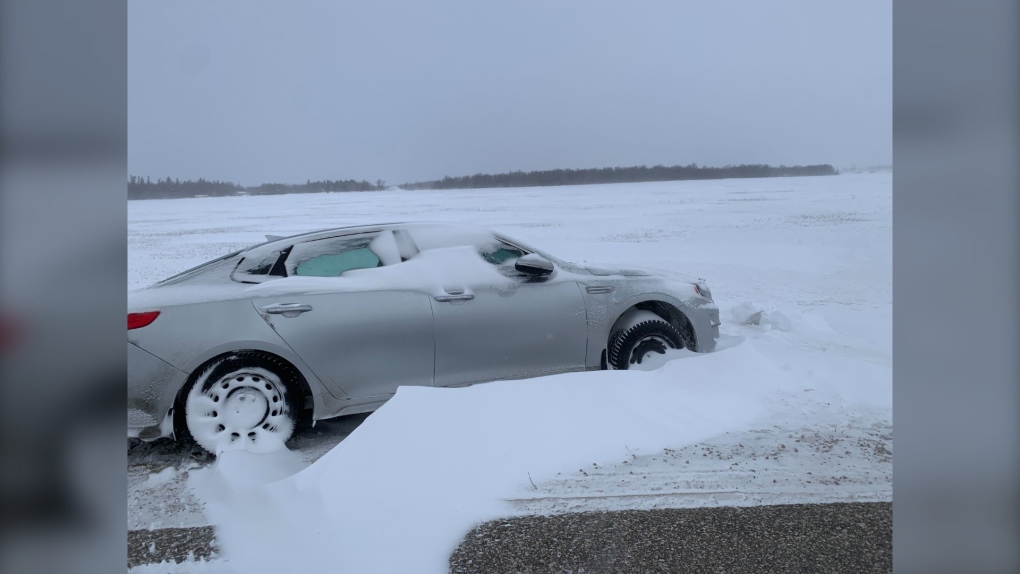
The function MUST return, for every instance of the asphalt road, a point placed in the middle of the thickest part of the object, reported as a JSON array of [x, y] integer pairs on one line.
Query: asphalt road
[[817, 538], [170, 544]]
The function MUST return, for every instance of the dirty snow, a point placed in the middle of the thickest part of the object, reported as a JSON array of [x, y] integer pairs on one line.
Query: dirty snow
[[794, 406], [161, 478]]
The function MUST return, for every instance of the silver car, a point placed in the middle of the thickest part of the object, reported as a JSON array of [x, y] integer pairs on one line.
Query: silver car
[[236, 351]]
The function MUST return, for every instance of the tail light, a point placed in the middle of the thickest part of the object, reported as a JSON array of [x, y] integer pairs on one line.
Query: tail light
[[139, 320]]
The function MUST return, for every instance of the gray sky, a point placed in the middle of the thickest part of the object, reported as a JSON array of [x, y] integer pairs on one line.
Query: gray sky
[[285, 91]]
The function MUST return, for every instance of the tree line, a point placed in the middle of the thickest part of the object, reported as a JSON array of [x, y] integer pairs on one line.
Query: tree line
[[619, 175], [145, 188]]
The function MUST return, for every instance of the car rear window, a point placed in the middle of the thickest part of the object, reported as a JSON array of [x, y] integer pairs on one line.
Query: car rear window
[[255, 268]]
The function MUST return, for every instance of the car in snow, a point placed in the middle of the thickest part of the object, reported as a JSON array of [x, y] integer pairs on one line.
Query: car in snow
[[235, 351]]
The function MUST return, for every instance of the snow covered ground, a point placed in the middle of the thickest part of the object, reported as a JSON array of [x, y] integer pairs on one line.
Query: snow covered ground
[[795, 406]]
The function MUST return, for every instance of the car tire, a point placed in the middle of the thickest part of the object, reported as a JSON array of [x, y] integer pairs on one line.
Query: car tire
[[629, 347], [243, 401]]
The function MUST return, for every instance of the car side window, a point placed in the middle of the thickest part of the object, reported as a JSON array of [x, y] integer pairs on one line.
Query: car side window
[[256, 269], [332, 257], [503, 256]]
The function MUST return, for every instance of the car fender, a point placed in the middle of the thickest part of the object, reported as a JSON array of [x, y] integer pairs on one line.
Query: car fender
[[283, 352], [604, 309], [174, 386], [700, 313]]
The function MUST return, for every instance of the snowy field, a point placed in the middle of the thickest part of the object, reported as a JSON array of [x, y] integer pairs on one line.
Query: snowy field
[[795, 406]]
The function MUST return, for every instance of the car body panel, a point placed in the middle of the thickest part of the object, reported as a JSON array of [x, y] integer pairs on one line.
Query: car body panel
[[360, 344], [212, 329], [607, 297], [355, 345], [207, 325], [151, 377], [528, 329]]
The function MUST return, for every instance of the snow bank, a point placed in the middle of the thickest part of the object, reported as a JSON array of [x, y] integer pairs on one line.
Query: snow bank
[[431, 463], [749, 314]]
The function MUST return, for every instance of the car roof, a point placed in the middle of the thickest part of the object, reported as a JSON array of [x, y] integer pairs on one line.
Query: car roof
[[344, 229], [311, 235], [278, 242], [281, 243]]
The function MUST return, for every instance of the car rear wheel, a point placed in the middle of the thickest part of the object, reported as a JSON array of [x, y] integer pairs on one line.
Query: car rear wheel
[[243, 401], [630, 347]]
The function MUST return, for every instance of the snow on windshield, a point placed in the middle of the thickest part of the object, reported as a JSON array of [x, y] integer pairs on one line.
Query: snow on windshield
[[385, 247], [435, 236]]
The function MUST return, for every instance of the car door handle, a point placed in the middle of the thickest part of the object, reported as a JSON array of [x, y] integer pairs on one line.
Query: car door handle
[[287, 309], [454, 297]]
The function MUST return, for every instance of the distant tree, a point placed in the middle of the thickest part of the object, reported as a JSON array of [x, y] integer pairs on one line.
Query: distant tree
[[618, 175]]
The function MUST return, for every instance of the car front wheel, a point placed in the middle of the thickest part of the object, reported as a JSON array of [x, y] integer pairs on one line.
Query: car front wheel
[[631, 347], [242, 402]]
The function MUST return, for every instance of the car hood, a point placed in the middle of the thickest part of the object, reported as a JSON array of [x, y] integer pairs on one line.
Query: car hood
[[640, 271], [606, 271]]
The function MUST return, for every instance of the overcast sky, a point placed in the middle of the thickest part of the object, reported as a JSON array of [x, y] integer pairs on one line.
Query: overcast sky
[[286, 91]]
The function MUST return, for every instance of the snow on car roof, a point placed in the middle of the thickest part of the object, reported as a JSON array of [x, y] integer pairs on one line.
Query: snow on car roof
[[308, 235]]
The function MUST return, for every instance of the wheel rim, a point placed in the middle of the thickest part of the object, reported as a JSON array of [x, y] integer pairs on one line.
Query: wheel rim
[[640, 341], [647, 347], [246, 409]]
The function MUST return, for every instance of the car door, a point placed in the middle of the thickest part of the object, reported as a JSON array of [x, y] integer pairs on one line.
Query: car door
[[526, 327], [363, 341]]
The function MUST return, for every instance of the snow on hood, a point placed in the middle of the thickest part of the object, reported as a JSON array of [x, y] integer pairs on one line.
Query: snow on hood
[[640, 271], [605, 272]]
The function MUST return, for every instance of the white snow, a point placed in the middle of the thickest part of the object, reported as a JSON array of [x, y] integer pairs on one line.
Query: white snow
[[795, 406]]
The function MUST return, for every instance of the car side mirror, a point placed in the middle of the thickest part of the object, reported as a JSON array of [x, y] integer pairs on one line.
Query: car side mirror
[[534, 264]]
